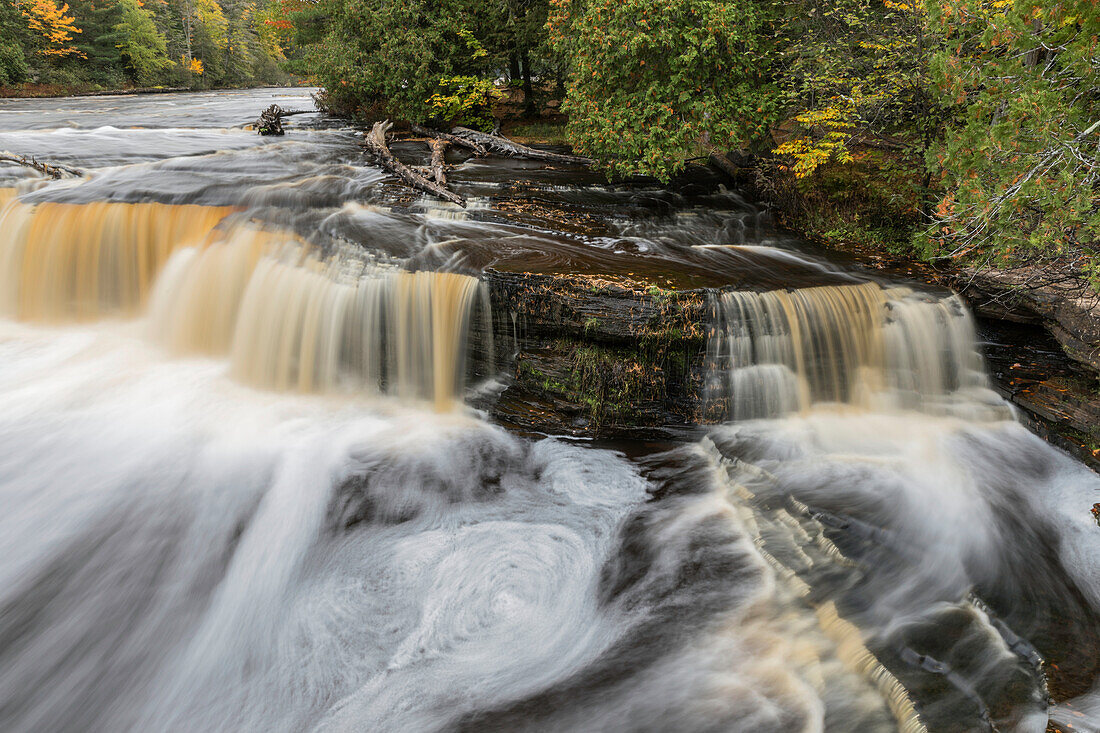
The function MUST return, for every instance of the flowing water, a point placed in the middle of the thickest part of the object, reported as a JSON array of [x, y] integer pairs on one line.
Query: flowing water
[[242, 491]]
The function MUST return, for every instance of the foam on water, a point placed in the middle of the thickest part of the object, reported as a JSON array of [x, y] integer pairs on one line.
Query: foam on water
[[182, 552], [227, 506]]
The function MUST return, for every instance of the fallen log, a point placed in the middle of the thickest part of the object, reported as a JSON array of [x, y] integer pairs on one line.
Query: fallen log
[[718, 159], [452, 139], [504, 146], [271, 119], [375, 141], [53, 170], [438, 165]]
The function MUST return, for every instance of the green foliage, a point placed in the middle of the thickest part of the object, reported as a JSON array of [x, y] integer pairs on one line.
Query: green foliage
[[464, 100], [98, 41], [13, 64], [1020, 163], [388, 57], [13, 46], [653, 82], [115, 43], [853, 70], [142, 48]]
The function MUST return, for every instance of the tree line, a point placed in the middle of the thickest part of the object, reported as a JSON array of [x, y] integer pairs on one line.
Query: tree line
[[966, 129], [114, 44]]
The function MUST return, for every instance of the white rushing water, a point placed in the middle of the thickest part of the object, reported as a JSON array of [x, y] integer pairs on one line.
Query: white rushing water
[[185, 553], [182, 553], [241, 491]]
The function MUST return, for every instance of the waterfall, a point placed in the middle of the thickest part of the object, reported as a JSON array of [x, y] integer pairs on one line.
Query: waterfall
[[289, 320], [781, 351], [62, 262], [286, 317]]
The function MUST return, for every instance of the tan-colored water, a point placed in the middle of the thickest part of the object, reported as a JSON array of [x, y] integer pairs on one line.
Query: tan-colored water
[[781, 351], [63, 262], [286, 318]]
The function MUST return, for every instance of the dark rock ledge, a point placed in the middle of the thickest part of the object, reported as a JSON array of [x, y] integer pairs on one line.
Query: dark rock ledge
[[599, 358]]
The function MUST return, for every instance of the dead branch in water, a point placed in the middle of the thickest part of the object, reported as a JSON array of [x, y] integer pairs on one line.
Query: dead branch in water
[[437, 169], [452, 139], [504, 146], [271, 119], [438, 165], [375, 141], [53, 170]]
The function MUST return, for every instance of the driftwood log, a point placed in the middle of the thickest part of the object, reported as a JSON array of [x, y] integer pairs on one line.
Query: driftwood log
[[720, 160], [438, 166], [433, 177], [452, 139], [53, 170], [504, 146], [375, 141], [436, 170], [271, 119]]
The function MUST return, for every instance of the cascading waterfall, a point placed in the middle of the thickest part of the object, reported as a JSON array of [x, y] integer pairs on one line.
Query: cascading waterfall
[[868, 545], [62, 262], [781, 351], [290, 320], [287, 318], [889, 518]]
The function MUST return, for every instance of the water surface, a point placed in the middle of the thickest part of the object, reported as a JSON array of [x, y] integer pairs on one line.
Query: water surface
[[242, 491]]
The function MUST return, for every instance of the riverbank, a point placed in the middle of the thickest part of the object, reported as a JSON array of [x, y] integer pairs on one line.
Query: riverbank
[[48, 91]]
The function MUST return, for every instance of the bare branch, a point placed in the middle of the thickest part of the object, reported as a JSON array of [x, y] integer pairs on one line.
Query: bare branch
[[53, 170], [375, 141]]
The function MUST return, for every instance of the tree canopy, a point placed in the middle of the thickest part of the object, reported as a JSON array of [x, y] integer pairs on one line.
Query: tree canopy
[[973, 125], [654, 82], [1019, 161], [91, 44]]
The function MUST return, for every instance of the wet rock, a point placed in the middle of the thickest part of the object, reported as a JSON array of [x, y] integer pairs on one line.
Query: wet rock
[[1070, 311], [599, 357]]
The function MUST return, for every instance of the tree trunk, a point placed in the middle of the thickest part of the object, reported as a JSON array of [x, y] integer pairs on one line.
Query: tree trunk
[[513, 66], [375, 141], [53, 170], [452, 139], [528, 91], [438, 165], [271, 119], [504, 146]]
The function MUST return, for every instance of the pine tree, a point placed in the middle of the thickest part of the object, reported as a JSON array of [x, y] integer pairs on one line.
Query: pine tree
[[14, 68], [99, 42], [1020, 165], [654, 82]]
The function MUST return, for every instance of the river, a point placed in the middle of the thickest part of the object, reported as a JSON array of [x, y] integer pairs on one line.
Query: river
[[250, 481]]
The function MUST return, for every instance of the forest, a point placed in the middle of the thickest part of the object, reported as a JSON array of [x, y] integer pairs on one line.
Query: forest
[[92, 45], [965, 130], [957, 129]]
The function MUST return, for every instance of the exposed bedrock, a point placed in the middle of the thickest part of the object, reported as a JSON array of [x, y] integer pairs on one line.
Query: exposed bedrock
[[613, 358], [599, 358]]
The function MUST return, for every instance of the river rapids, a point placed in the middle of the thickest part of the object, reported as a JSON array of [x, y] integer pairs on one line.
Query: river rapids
[[247, 484]]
